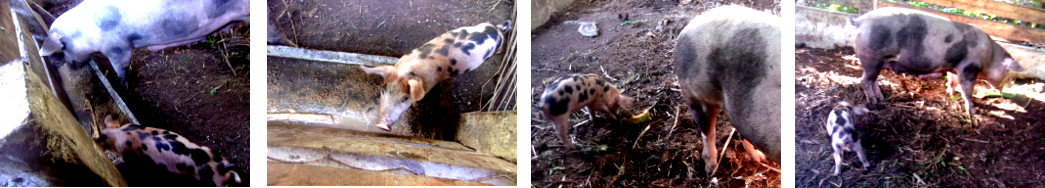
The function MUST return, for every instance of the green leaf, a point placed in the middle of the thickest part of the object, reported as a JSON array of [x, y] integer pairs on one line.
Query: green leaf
[[550, 171], [629, 22]]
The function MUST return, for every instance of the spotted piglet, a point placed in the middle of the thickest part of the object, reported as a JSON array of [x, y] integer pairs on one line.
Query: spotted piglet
[[148, 147], [444, 57], [841, 127], [572, 92]]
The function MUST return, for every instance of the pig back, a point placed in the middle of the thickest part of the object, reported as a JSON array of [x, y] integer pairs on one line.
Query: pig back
[[730, 56], [921, 42], [147, 23]]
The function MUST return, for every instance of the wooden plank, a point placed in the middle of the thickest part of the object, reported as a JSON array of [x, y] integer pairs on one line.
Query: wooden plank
[[1006, 31], [999, 9], [290, 174]]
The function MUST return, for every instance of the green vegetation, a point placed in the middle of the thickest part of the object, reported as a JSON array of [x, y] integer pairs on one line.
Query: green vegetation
[[629, 22], [837, 8]]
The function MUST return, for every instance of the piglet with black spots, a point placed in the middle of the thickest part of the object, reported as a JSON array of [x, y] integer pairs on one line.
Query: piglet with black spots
[[841, 126], [728, 58], [147, 146], [448, 55], [926, 45], [572, 92], [115, 27]]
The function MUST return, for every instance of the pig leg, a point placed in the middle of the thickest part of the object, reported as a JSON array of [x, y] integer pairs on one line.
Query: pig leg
[[967, 79], [562, 126], [605, 110], [120, 59], [872, 68], [757, 155], [952, 83], [704, 115], [838, 158], [859, 149]]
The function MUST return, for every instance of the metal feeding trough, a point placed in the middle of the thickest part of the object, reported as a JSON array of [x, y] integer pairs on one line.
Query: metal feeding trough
[[320, 132]]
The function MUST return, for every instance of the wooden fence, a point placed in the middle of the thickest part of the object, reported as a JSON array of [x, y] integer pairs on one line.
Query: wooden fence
[[999, 9]]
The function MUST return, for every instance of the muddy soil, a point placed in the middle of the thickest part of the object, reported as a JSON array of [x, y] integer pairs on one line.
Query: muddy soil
[[636, 57], [921, 137], [199, 91], [386, 28]]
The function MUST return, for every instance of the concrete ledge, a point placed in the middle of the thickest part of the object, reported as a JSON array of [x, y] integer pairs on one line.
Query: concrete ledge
[[818, 28], [490, 132], [1032, 60]]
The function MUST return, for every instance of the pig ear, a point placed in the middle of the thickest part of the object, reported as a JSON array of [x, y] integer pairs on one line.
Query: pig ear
[[860, 110], [1012, 65], [417, 89], [110, 123], [51, 45], [504, 27], [382, 70], [624, 101]]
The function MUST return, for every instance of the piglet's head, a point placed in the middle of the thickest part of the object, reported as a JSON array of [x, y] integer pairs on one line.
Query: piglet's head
[[400, 92]]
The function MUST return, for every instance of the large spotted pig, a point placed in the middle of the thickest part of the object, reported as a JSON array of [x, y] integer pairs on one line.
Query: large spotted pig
[[572, 92], [147, 146], [115, 27], [841, 126], [448, 55], [919, 43], [729, 57]]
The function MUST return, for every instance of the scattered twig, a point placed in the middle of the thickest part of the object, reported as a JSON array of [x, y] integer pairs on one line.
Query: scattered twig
[[607, 74], [975, 140], [225, 54], [636, 143], [724, 147], [579, 124], [898, 105], [675, 123], [777, 170]]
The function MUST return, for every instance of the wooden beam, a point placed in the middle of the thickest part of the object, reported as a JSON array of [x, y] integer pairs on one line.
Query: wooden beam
[[1006, 31], [999, 9]]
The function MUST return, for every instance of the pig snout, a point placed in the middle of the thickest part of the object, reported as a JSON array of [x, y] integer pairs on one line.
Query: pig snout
[[841, 127], [729, 58], [392, 104], [572, 92], [275, 36], [919, 43], [114, 28]]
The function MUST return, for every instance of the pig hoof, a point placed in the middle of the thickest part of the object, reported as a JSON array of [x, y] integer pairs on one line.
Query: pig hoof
[[383, 127]]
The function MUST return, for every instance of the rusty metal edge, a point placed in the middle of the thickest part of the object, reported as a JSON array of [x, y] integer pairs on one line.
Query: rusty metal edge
[[112, 93]]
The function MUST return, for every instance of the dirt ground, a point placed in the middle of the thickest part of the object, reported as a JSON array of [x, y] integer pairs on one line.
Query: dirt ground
[[920, 137], [200, 91], [386, 28], [636, 57]]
